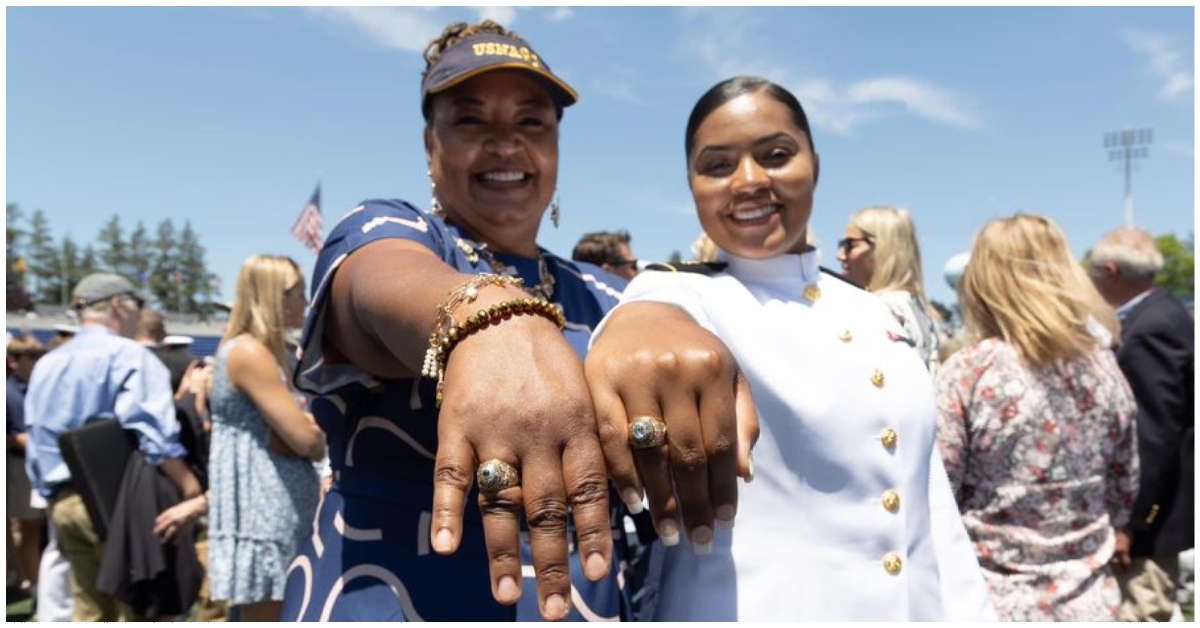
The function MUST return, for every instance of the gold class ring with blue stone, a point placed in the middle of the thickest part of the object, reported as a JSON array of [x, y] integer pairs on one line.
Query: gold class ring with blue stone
[[647, 432], [494, 476]]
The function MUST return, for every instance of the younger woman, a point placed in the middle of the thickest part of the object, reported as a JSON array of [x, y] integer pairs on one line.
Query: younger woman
[[263, 486], [849, 516]]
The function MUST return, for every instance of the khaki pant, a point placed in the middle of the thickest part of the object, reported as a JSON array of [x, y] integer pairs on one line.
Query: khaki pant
[[1148, 588], [79, 543], [209, 609]]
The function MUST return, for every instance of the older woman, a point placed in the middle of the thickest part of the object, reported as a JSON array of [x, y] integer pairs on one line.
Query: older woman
[[444, 349], [849, 515], [1037, 426], [879, 252]]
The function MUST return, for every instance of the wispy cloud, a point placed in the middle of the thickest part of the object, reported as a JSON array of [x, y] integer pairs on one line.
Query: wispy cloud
[[560, 14], [403, 28], [730, 48], [1166, 60], [618, 83]]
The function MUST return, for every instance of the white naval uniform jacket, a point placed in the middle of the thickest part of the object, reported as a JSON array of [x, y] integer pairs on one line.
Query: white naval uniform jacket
[[850, 515]]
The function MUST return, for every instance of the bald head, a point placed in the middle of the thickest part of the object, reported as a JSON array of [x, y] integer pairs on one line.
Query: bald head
[[1124, 264]]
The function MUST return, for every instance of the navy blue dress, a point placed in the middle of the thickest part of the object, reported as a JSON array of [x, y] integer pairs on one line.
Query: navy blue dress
[[369, 556]]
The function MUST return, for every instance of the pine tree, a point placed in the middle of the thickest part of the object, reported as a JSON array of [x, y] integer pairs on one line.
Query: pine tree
[[164, 263], [113, 250], [44, 265]]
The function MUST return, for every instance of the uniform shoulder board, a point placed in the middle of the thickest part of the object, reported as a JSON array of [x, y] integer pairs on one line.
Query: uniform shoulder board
[[841, 277], [702, 268]]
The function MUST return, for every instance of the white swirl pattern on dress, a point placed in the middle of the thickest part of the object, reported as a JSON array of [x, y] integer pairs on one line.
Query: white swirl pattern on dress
[[371, 571], [384, 424], [353, 533]]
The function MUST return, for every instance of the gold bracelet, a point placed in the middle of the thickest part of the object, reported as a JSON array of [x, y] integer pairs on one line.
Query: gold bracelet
[[482, 319], [465, 292]]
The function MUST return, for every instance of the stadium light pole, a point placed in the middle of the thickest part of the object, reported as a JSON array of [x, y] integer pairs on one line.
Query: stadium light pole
[[1125, 146]]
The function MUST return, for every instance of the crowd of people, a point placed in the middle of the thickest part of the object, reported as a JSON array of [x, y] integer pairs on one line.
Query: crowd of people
[[473, 428]]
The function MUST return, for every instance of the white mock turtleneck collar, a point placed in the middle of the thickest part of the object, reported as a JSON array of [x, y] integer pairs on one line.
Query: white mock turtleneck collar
[[791, 271]]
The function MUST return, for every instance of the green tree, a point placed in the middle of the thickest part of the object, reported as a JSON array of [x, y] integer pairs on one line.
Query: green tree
[[44, 266], [73, 270], [87, 262], [193, 276], [113, 249], [163, 265], [14, 236], [140, 255], [1179, 268]]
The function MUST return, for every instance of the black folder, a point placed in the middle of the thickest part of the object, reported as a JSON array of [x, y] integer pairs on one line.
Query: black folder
[[96, 455]]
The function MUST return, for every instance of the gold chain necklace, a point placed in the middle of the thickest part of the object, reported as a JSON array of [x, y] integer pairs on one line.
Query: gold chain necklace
[[474, 251]]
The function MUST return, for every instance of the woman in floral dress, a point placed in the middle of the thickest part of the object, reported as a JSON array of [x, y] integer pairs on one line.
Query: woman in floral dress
[[1036, 426]]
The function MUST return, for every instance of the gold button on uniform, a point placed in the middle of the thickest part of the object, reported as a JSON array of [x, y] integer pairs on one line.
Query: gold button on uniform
[[892, 563], [877, 378], [891, 500], [845, 336], [812, 292], [889, 438]]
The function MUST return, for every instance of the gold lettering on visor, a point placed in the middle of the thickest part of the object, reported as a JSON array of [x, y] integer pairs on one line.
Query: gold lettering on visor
[[506, 50]]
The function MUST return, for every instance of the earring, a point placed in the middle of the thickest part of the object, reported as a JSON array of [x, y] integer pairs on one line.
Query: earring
[[435, 207], [555, 212]]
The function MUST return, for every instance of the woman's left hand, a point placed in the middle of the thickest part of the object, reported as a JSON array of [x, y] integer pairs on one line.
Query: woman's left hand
[[171, 521], [654, 363]]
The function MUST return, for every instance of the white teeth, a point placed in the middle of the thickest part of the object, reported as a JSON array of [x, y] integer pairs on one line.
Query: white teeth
[[503, 176], [755, 213]]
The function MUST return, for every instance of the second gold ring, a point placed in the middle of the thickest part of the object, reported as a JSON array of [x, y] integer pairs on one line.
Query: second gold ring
[[646, 432]]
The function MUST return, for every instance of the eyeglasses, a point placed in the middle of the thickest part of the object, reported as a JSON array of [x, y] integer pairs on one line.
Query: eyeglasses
[[624, 262], [847, 244]]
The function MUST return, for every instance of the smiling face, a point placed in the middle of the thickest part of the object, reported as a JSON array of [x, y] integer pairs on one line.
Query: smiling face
[[856, 252], [492, 146], [752, 175]]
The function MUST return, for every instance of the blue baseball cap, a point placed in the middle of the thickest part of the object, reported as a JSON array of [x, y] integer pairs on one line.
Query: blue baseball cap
[[484, 52]]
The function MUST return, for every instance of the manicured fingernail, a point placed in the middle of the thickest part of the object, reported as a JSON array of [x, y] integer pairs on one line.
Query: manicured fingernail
[[556, 607], [508, 590], [750, 464], [443, 541], [595, 566], [668, 531], [724, 517], [702, 540], [633, 501]]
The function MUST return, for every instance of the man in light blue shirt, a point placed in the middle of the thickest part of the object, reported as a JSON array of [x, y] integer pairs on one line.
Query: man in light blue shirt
[[101, 372]]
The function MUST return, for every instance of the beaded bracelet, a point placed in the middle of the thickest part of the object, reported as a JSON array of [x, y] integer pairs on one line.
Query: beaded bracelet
[[440, 348], [465, 292]]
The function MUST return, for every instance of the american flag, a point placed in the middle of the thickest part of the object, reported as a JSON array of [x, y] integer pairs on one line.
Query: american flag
[[308, 225]]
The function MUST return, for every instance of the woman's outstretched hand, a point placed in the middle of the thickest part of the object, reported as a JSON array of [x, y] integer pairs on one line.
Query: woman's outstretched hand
[[653, 362], [516, 393]]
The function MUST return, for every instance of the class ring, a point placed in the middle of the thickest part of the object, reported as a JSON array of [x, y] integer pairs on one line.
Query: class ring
[[647, 432], [494, 476]]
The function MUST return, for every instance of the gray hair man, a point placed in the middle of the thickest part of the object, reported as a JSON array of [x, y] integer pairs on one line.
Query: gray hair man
[[1157, 355], [101, 372]]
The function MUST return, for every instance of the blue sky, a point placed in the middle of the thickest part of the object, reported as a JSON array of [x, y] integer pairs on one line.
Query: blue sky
[[227, 116]]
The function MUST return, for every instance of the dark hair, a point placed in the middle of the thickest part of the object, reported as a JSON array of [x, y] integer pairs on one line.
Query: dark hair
[[451, 35], [729, 89], [601, 247]]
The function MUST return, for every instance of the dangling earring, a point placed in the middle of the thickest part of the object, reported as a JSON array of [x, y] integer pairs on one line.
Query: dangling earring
[[555, 212], [435, 207]]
